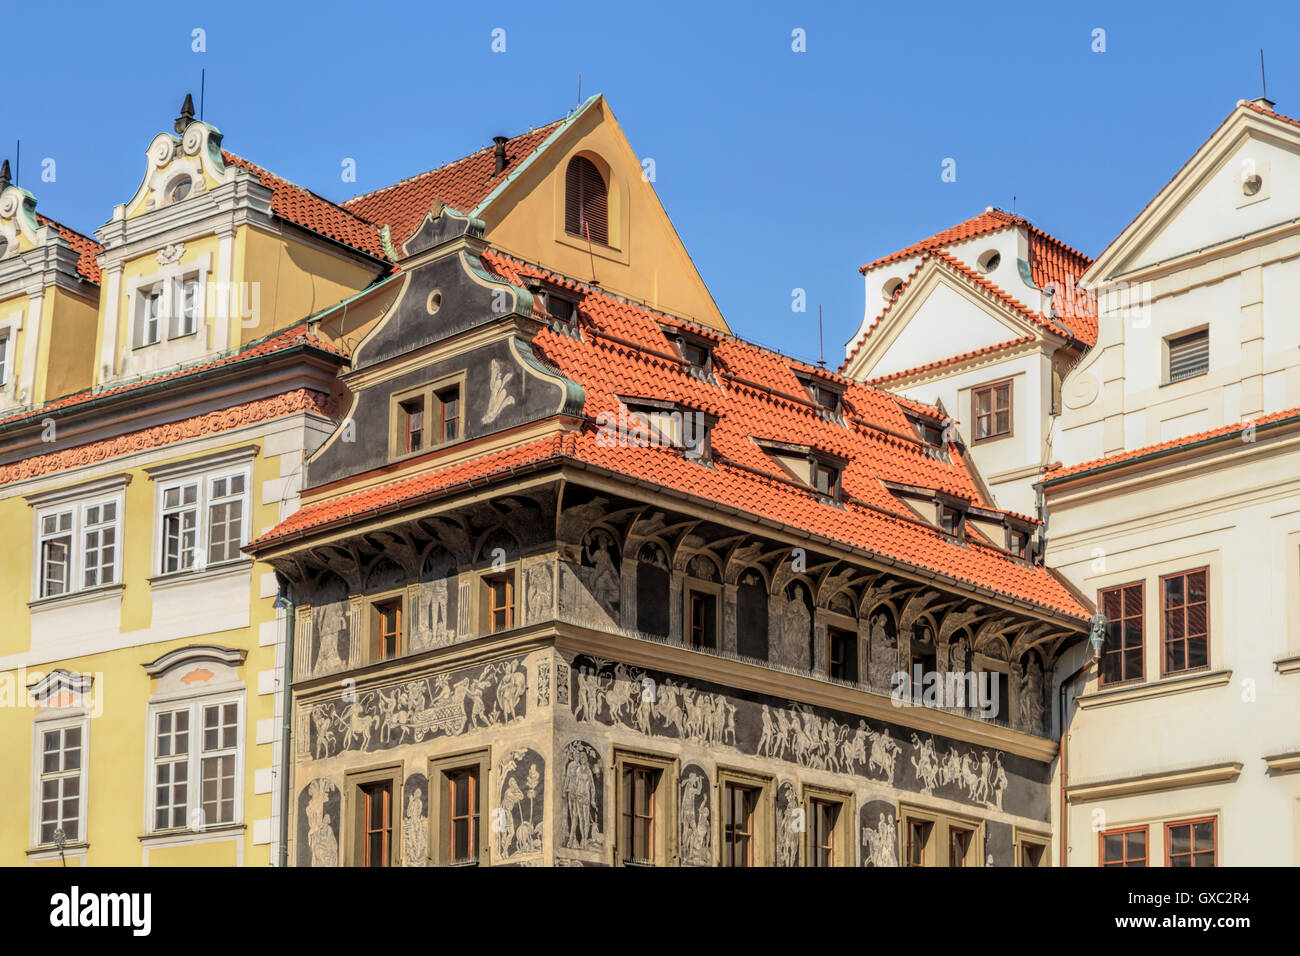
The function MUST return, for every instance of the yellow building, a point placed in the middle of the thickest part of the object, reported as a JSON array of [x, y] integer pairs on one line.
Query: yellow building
[[160, 389]]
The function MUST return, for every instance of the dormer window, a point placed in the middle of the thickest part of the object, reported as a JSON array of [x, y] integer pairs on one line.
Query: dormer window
[[826, 396], [651, 423], [826, 479], [1018, 543], [816, 469], [696, 352], [425, 417], [952, 520]]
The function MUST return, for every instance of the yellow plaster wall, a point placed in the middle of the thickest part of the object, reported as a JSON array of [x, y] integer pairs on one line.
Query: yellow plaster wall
[[646, 259], [66, 360], [118, 737]]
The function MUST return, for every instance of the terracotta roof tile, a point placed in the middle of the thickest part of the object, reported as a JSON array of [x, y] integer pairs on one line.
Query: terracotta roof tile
[[1174, 443], [626, 350], [462, 185], [929, 366], [304, 208]]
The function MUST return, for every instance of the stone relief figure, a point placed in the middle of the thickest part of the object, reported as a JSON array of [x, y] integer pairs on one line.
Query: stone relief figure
[[600, 570], [415, 830], [443, 705], [432, 629], [884, 651], [884, 750], [1031, 696], [518, 822], [331, 627], [794, 626], [695, 828], [881, 842], [540, 598], [789, 826], [321, 834], [926, 763], [583, 786], [499, 397]]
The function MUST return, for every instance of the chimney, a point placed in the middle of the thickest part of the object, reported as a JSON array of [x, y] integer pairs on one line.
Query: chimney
[[186, 117], [499, 154], [4, 176]]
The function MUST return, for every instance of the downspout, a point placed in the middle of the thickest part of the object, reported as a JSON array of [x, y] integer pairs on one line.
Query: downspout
[[1095, 639], [283, 602]]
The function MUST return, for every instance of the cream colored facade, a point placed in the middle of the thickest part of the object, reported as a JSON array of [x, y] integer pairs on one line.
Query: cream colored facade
[[1196, 471]]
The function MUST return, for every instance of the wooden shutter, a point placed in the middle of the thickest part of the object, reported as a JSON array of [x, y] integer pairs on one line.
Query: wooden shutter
[[586, 205], [1189, 355]]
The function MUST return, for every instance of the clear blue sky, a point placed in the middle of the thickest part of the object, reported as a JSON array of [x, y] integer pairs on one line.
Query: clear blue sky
[[781, 170]]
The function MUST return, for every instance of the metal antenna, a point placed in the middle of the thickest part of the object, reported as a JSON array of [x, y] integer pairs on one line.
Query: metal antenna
[[579, 88], [203, 86], [821, 343], [1262, 81]]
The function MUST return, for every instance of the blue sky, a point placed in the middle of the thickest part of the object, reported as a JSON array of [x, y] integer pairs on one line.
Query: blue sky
[[781, 170]]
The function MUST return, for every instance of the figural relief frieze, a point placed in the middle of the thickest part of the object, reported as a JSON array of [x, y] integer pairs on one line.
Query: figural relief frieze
[[517, 818], [583, 791], [694, 818]]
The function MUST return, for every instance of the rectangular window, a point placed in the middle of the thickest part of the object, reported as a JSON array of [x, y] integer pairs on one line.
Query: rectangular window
[[1189, 356], [217, 762], [4, 359], [842, 654], [375, 808], [449, 405], [196, 754], [1185, 621], [637, 811], [225, 518], [1124, 847], [385, 629], [171, 769], [960, 841], [99, 533], [500, 601], [991, 410], [1121, 653], [61, 784], [703, 619], [413, 424], [1033, 854], [822, 843], [826, 479], [463, 814], [1191, 843], [56, 553], [151, 308], [918, 841], [186, 319], [738, 833], [180, 527]]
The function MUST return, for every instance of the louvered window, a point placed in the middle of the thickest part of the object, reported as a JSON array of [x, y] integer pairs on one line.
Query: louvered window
[[1189, 355], [586, 204]]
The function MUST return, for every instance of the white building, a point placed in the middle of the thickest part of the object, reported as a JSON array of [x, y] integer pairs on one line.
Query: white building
[[1175, 504]]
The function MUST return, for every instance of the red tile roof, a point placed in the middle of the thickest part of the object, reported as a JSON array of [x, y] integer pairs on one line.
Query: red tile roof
[[304, 208], [1051, 262], [1224, 431], [462, 185], [626, 351], [85, 247], [275, 342]]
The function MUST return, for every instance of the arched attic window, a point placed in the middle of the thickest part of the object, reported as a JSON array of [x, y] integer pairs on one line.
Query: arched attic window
[[586, 201]]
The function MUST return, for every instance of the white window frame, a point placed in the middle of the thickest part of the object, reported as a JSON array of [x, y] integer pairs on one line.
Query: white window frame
[[170, 282], [195, 707], [6, 358], [40, 728], [203, 473], [78, 503]]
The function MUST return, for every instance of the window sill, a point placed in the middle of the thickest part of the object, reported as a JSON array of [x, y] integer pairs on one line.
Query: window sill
[[48, 851], [1130, 693], [991, 439], [1190, 378], [84, 596], [177, 578], [1288, 665], [186, 835]]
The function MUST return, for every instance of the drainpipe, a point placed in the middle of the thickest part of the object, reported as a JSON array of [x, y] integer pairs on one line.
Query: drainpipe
[[1095, 639], [283, 602]]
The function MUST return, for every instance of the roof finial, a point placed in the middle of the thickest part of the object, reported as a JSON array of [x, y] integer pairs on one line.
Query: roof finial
[[187, 114], [4, 175]]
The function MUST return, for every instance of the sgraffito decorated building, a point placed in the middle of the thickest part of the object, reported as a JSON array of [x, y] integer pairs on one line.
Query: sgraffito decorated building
[[579, 582]]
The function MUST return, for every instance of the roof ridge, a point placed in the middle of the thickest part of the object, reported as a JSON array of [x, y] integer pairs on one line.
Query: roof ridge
[[246, 162], [455, 162]]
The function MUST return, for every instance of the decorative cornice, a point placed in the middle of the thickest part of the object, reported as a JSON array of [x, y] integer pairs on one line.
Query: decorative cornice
[[1154, 689], [196, 654], [1282, 763], [1154, 782], [86, 489], [1287, 665], [193, 466]]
